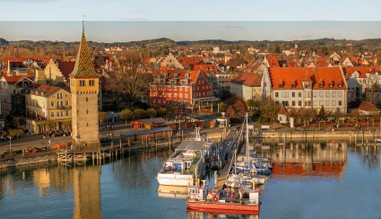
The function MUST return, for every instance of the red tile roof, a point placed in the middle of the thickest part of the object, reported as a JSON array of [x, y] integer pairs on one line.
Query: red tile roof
[[248, 79], [164, 69], [283, 111], [235, 62], [187, 62], [273, 61], [181, 74], [323, 60], [206, 68], [367, 106], [43, 90], [362, 70], [14, 79], [321, 77], [252, 67]]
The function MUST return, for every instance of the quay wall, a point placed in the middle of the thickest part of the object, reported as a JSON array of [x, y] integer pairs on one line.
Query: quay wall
[[27, 160], [358, 136]]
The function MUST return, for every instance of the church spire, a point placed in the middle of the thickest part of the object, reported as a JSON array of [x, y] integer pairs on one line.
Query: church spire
[[83, 67]]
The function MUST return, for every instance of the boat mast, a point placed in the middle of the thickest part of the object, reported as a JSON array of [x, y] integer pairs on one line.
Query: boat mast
[[247, 134]]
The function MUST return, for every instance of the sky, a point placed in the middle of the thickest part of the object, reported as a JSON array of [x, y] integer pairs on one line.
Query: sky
[[129, 20]]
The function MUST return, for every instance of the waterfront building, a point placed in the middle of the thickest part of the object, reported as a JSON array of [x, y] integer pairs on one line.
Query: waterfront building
[[297, 87], [48, 108], [84, 86]]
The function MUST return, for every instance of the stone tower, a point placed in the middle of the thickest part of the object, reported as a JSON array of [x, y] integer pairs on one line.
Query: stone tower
[[84, 87]]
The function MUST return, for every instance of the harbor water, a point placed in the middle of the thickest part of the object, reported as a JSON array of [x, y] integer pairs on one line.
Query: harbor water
[[309, 180]]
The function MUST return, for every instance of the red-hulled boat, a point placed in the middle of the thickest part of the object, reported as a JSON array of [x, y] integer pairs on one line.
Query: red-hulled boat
[[244, 202]]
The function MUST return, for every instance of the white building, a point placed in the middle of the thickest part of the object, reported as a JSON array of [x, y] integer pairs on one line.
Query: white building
[[297, 87]]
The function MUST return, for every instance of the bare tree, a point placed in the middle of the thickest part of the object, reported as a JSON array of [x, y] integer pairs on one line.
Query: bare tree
[[130, 79]]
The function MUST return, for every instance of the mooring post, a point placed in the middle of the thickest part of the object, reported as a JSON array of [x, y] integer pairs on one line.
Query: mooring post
[[120, 146], [129, 146], [156, 143]]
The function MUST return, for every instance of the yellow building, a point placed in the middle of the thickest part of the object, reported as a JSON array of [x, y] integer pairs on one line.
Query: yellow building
[[48, 108], [84, 86]]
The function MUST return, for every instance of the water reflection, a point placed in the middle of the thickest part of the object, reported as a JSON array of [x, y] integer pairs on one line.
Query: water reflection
[[200, 215], [87, 192], [370, 155], [127, 188], [308, 159]]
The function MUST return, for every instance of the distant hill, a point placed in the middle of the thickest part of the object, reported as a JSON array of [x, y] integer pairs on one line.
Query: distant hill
[[3, 41]]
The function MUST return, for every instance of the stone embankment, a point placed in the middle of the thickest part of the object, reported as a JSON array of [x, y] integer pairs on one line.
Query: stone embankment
[[51, 156], [17, 161], [358, 136]]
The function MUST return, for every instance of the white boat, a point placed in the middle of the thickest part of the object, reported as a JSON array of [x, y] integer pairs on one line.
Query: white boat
[[240, 179], [185, 165]]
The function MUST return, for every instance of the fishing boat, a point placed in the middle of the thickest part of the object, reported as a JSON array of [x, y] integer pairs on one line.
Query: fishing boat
[[186, 164], [228, 201]]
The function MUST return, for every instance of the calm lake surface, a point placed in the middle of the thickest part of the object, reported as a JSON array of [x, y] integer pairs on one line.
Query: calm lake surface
[[309, 180]]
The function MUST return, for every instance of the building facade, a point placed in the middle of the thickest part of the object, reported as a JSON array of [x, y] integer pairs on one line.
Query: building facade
[[186, 88], [299, 87], [247, 86], [47, 103], [11, 99]]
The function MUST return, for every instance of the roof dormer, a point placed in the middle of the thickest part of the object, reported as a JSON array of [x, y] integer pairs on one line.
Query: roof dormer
[[340, 84], [331, 84], [293, 83], [281, 84], [321, 83]]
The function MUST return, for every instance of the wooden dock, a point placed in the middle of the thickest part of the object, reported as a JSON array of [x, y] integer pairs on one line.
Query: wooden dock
[[233, 139], [369, 144]]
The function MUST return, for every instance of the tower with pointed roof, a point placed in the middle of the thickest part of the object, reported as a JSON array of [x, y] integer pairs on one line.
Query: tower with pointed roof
[[84, 86]]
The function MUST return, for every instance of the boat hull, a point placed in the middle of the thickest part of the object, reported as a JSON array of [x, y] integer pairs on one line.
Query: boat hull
[[223, 208], [175, 179]]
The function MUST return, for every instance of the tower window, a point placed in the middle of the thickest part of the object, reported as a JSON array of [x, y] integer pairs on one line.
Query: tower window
[[92, 82], [82, 83], [87, 111], [87, 99]]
